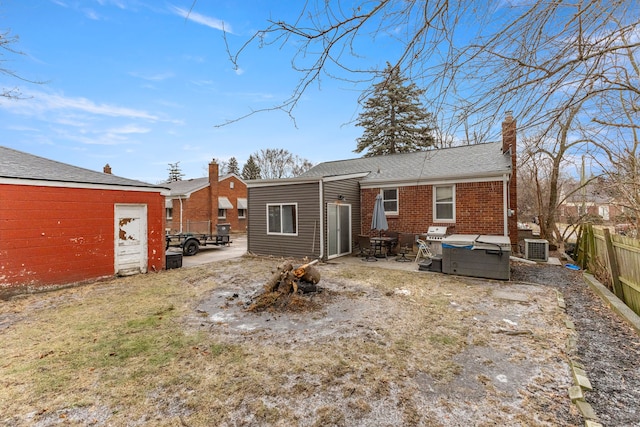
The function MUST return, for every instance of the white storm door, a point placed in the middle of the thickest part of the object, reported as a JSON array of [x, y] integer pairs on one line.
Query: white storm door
[[130, 239], [338, 230]]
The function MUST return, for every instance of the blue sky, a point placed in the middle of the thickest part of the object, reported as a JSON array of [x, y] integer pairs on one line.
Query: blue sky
[[137, 85]]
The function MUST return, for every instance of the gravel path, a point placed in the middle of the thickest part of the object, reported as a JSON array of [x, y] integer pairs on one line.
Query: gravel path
[[607, 346]]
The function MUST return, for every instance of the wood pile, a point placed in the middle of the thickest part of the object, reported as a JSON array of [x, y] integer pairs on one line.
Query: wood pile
[[286, 282]]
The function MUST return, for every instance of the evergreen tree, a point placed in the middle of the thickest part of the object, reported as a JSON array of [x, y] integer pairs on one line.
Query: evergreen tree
[[250, 170], [393, 118], [175, 174], [232, 166]]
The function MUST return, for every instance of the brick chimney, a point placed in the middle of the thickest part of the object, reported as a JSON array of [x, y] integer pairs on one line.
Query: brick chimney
[[508, 133], [509, 141], [107, 169]]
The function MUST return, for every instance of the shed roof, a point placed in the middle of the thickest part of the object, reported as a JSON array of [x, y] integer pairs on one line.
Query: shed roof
[[16, 164], [479, 160]]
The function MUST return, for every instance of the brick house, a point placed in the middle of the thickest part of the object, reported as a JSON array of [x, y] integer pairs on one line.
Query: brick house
[[469, 189], [592, 203], [61, 224], [198, 205]]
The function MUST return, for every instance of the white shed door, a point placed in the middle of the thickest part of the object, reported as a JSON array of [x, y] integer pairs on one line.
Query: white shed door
[[131, 239]]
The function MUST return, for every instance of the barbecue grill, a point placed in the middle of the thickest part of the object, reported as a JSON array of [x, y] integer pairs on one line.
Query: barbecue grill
[[434, 237]]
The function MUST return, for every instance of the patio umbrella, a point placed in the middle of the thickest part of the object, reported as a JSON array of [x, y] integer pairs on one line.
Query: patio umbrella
[[379, 220]]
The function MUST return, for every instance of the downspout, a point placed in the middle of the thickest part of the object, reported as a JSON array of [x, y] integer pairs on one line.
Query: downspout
[[321, 184], [180, 198], [505, 202]]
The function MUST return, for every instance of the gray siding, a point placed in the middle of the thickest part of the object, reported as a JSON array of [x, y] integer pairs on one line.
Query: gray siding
[[349, 188], [307, 242]]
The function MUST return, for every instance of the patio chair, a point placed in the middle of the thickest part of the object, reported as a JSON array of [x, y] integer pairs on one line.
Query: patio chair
[[405, 245], [423, 250], [366, 248]]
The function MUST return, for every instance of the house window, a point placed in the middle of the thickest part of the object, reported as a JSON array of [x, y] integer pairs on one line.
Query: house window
[[222, 213], [390, 199], [231, 184], [242, 213], [282, 219], [444, 206], [169, 212]]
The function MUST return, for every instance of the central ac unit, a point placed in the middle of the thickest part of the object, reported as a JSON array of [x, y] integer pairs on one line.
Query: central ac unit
[[536, 249]]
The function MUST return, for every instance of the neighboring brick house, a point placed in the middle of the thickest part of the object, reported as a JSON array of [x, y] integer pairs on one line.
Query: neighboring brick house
[[591, 203], [198, 205], [469, 189], [61, 224]]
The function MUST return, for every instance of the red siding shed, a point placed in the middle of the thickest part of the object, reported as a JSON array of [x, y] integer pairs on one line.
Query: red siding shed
[[60, 224]]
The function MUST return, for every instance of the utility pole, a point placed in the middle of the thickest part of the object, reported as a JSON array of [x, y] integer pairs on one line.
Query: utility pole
[[583, 189]]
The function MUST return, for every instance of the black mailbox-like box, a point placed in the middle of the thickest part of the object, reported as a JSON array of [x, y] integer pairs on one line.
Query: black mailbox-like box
[[173, 260]]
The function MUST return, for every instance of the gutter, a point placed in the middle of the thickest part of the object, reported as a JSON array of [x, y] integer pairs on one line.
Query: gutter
[[369, 183], [180, 198]]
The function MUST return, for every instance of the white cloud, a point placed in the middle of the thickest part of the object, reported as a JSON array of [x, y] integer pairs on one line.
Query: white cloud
[[129, 129], [210, 22], [40, 102], [91, 14], [117, 3], [153, 77], [59, 3]]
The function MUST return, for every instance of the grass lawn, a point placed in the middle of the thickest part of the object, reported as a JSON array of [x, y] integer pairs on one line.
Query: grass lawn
[[376, 348]]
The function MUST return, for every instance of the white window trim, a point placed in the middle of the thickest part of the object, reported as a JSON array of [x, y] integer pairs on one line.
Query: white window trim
[[453, 194], [242, 216], [223, 216], [397, 200], [271, 233], [169, 213]]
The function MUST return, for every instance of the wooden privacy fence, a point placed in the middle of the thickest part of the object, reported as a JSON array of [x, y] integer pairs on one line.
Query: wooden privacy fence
[[613, 259]]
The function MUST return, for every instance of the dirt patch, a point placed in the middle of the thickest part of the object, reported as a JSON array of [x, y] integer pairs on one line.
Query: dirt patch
[[373, 348]]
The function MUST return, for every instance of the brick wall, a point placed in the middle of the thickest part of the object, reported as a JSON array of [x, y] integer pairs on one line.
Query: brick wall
[[202, 206], [239, 190], [478, 209]]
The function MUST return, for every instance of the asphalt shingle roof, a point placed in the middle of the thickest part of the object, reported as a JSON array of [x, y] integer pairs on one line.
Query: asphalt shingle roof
[[447, 163], [19, 165], [183, 187]]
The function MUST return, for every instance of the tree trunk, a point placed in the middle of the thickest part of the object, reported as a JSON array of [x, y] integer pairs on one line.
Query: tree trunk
[[308, 273], [281, 271], [288, 284]]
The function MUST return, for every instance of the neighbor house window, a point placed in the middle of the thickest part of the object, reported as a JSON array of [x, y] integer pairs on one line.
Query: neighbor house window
[[169, 212], [242, 213], [444, 207], [282, 218], [390, 199], [222, 213]]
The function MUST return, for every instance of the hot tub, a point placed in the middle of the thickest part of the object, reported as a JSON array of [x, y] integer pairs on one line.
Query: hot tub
[[476, 256]]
